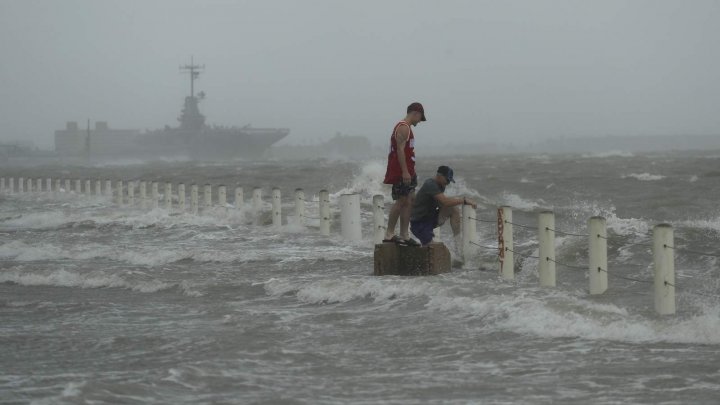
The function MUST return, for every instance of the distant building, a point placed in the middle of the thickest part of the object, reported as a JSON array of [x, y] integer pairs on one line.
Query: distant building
[[73, 141]]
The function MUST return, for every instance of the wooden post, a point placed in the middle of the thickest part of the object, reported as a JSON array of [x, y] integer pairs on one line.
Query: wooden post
[[507, 267], [119, 190], [257, 200], [378, 203], [598, 267], [324, 213], [276, 208], [239, 198], [154, 195], [664, 258], [143, 194], [168, 196], [207, 196], [131, 193], [469, 232], [181, 197], [300, 206], [222, 198], [546, 237], [88, 187], [194, 199]]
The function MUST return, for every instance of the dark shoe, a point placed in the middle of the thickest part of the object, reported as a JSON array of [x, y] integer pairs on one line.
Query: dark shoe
[[409, 242], [394, 239]]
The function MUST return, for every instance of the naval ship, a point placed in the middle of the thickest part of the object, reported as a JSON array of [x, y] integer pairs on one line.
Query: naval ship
[[192, 138]]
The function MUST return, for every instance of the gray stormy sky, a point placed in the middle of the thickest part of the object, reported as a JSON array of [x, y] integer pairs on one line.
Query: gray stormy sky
[[485, 70]]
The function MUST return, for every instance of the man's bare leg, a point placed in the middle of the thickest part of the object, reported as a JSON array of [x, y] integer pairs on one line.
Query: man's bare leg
[[405, 211], [393, 216]]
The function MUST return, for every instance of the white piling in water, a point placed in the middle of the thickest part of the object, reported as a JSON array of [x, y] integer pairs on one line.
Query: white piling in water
[[29, 185], [108, 188], [469, 232], [2, 184], [207, 196], [378, 203], [68, 188], [324, 204], [57, 185], [168, 196], [39, 185], [239, 198], [598, 268], [664, 258], [143, 194], [88, 187], [21, 184], [98, 187], [78, 186], [154, 195], [131, 193], [276, 208], [11, 185], [507, 267], [194, 199], [48, 184], [257, 199], [222, 198], [350, 225], [546, 238], [119, 197], [181, 197], [300, 206]]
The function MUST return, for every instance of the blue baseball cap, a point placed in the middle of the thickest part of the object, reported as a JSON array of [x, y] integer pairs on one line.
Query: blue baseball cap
[[447, 172]]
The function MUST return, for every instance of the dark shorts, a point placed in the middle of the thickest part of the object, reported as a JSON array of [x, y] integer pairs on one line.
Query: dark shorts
[[423, 229], [401, 189]]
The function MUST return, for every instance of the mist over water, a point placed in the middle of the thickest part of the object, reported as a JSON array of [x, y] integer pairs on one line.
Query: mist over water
[[110, 304]]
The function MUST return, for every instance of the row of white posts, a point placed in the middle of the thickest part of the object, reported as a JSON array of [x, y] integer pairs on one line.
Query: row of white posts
[[351, 229], [662, 247]]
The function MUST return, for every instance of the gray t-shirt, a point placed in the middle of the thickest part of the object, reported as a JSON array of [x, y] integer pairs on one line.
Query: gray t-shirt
[[425, 205]]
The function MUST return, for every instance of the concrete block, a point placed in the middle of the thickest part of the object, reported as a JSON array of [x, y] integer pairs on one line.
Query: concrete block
[[391, 259]]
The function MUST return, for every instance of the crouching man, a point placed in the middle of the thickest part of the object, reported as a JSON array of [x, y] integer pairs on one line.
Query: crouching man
[[432, 207]]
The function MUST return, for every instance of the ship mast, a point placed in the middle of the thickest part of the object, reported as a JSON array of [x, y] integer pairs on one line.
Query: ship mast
[[194, 71]]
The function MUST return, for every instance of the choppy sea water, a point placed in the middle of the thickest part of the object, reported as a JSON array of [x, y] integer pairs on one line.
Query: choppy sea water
[[107, 304]]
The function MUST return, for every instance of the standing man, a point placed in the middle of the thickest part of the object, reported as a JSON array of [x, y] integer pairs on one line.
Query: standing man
[[432, 207], [401, 174]]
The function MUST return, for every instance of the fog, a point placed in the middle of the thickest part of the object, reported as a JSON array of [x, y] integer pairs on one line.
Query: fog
[[485, 71]]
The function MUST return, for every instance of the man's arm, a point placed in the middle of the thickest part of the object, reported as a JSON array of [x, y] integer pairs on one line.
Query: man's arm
[[446, 201], [401, 137]]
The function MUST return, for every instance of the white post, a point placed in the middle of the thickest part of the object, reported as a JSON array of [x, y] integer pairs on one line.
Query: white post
[[2, 184], [29, 183], [57, 185], [181, 197], [67, 186], [131, 193], [276, 208], [469, 232], [38, 185], [98, 187], [119, 193], [11, 185], [168, 196], [88, 188], [664, 258], [78, 186], [207, 196], [300, 206], [21, 184], [546, 237], [350, 217], [598, 268], [48, 184], [239, 198], [507, 267], [378, 203], [324, 213], [108, 188], [194, 199], [154, 195], [257, 199], [143, 194], [222, 198]]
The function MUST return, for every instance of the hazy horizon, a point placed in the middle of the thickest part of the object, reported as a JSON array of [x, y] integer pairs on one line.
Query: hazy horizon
[[514, 71]]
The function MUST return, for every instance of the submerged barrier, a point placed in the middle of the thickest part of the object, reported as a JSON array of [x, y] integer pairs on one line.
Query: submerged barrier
[[662, 245]]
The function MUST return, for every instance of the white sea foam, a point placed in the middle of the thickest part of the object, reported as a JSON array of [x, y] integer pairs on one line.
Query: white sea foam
[[515, 201], [644, 176], [693, 179], [66, 278]]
